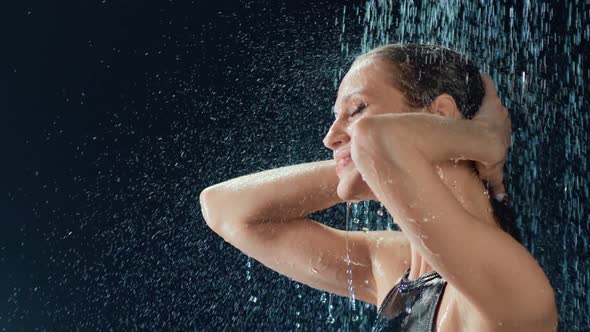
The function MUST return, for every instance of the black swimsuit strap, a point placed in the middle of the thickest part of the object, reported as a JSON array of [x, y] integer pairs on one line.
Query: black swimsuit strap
[[405, 284]]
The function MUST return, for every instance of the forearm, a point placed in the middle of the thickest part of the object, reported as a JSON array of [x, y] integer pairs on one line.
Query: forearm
[[272, 195], [439, 138]]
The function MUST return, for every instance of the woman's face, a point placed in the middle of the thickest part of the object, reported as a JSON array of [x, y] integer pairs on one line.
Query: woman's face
[[365, 90]]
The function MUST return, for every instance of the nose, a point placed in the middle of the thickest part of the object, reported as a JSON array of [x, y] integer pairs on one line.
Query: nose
[[336, 136]]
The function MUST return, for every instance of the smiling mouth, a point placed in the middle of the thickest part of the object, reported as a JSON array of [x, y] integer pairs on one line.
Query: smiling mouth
[[341, 163]]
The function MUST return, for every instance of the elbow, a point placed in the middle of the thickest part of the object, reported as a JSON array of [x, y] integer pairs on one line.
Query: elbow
[[380, 137], [206, 200], [365, 127], [551, 315], [214, 208]]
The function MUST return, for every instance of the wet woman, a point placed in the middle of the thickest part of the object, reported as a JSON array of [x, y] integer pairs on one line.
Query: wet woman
[[418, 129]]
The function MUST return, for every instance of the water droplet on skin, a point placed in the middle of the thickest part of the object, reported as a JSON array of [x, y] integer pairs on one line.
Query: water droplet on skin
[[440, 172]]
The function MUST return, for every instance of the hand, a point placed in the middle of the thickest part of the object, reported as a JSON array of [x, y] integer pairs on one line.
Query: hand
[[496, 119]]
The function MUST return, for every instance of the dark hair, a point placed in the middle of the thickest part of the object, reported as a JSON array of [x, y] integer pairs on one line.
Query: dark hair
[[424, 72]]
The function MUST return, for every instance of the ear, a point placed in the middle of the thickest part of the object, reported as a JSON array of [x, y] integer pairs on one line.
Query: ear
[[445, 105]]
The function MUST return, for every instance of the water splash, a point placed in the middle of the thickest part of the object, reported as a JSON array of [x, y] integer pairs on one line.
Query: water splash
[[352, 311], [535, 52]]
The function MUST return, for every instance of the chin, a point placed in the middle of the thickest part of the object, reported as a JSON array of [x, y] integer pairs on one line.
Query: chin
[[352, 188]]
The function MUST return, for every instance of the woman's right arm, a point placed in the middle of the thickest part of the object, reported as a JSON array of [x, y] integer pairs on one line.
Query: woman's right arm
[[264, 215], [274, 195]]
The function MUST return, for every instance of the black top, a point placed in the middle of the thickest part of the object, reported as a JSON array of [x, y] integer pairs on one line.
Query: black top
[[411, 306]]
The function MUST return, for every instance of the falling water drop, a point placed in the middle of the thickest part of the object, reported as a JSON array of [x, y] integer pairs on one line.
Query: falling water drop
[[533, 51], [330, 319]]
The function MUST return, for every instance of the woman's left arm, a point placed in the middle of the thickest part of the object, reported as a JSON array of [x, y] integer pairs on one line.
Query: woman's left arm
[[485, 139], [497, 275]]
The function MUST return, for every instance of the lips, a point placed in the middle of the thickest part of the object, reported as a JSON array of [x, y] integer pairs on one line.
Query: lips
[[342, 162]]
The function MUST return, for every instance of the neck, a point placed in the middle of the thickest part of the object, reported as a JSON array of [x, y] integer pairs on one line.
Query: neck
[[463, 181]]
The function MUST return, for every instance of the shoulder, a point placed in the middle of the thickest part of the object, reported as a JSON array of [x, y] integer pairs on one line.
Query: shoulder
[[473, 320]]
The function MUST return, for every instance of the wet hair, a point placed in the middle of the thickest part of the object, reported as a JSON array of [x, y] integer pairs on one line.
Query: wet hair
[[424, 72]]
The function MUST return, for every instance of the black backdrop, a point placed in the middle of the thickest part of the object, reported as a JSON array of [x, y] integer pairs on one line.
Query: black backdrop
[[116, 115]]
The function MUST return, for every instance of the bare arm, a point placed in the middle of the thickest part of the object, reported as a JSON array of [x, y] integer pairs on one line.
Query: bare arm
[[274, 195], [485, 139], [263, 215], [456, 139], [403, 179]]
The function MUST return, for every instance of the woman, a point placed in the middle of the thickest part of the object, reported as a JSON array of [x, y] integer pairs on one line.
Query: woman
[[405, 135]]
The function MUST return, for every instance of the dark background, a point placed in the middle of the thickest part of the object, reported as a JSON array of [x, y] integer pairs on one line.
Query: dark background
[[116, 114]]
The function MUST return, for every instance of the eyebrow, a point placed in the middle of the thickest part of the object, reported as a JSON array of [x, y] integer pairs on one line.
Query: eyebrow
[[346, 97]]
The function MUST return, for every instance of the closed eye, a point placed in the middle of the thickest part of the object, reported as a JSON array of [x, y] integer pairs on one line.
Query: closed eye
[[358, 109]]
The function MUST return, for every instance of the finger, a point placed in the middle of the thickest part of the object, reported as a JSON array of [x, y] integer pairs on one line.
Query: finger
[[497, 181], [493, 176], [500, 196], [499, 191], [488, 85]]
